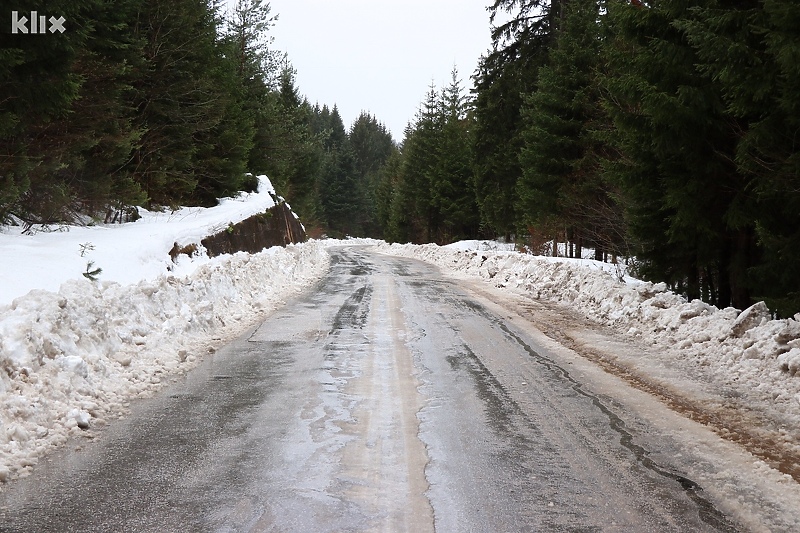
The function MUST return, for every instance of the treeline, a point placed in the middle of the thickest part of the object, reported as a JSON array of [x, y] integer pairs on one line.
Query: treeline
[[162, 103], [660, 130], [665, 130], [426, 193]]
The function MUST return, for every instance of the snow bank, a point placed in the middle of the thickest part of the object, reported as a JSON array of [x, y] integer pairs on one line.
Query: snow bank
[[744, 350], [73, 352], [72, 358], [126, 253], [480, 245]]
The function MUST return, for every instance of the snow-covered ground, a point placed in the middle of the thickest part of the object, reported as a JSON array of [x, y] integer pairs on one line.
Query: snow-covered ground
[[74, 351], [480, 245]]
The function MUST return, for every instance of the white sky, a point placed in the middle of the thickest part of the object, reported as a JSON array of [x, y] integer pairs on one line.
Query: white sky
[[380, 55]]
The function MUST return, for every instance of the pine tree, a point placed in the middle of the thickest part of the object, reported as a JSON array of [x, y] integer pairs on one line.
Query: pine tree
[[750, 51], [686, 203], [452, 187], [184, 104], [561, 186], [63, 128], [419, 159], [340, 194], [372, 147], [259, 70], [388, 208], [504, 75], [433, 195], [305, 150], [772, 139], [103, 115]]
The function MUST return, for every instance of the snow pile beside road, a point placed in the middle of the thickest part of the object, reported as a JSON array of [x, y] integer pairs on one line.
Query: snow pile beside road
[[126, 253], [73, 352], [481, 246], [745, 350], [72, 358]]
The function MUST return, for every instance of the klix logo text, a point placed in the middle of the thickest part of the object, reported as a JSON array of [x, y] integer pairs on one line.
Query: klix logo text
[[38, 23]]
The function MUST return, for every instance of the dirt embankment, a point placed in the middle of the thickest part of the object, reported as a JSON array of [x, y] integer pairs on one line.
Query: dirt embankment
[[275, 227]]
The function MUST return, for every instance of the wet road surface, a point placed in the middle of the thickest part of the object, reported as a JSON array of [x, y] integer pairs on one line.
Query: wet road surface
[[386, 399]]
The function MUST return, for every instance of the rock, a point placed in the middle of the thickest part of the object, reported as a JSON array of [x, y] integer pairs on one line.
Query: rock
[[276, 227], [749, 318]]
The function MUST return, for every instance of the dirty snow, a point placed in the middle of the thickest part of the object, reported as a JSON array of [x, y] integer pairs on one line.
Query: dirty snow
[[740, 354]]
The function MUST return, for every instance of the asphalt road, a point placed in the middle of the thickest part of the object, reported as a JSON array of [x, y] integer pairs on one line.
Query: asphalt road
[[387, 399]]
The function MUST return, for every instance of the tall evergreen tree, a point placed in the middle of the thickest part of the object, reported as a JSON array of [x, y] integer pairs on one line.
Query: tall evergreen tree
[[103, 116], [372, 146], [419, 159], [248, 47], [340, 194], [750, 51], [504, 75], [561, 187], [433, 195], [686, 203], [389, 195], [452, 186], [402, 221], [289, 149], [64, 124], [182, 101]]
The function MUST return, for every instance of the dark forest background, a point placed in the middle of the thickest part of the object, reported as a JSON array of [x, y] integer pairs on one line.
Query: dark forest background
[[664, 132]]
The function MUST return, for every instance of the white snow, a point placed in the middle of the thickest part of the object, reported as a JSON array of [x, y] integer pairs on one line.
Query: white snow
[[126, 253], [480, 245], [74, 352]]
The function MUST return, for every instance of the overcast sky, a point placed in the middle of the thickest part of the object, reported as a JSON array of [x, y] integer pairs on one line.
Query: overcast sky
[[380, 55]]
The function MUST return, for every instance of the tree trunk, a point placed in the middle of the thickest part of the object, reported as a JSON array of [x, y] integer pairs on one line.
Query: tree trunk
[[692, 281], [724, 281], [740, 262]]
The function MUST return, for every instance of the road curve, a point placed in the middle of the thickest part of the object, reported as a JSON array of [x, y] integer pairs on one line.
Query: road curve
[[388, 398]]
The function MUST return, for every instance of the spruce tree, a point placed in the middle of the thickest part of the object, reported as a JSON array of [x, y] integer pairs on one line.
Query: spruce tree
[[62, 124], [433, 195], [750, 51], [419, 159], [372, 147], [388, 209], [340, 194], [686, 203], [452, 186], [504, 75], [772, 140], [561, 187], [287, 147], [103, 115], [257, 65], [184, 106]]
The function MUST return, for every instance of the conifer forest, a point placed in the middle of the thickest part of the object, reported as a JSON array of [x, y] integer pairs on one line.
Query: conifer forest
[[665, 133]]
